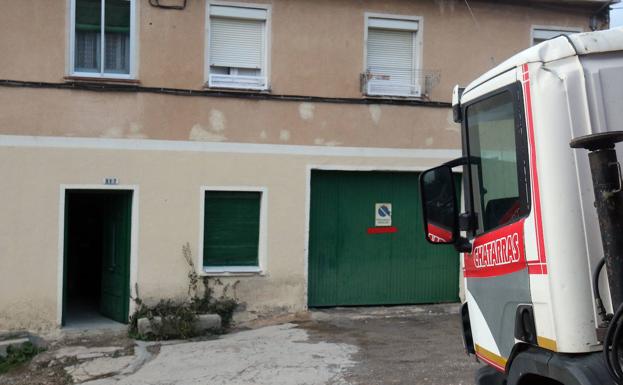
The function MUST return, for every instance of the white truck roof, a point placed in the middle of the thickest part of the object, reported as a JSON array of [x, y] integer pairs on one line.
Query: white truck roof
[[563, 46]]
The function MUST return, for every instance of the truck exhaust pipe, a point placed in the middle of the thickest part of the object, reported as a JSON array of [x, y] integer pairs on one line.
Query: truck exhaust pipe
[[608, 189]]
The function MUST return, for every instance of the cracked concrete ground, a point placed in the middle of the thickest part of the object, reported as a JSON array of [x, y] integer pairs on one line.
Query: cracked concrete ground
[[350, 346]]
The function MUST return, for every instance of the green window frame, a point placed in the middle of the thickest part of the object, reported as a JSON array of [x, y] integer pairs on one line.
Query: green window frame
[[232, 230]]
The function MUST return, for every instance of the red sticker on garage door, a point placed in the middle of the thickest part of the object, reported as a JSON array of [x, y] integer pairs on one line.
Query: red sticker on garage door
[[382, 230]]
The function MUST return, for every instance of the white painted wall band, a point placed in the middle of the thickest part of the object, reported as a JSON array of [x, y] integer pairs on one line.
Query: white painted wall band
[[218, 147]]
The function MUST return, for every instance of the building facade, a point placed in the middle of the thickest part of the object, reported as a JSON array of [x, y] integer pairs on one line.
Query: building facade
[[280, 139]]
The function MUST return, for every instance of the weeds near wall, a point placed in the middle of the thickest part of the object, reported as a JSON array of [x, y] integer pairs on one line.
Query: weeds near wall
[[178, 318], [18, 355]]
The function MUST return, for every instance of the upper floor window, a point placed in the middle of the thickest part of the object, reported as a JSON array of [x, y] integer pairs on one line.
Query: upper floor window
[[101, 38], [393, 47], [237, 47], [540, 34]]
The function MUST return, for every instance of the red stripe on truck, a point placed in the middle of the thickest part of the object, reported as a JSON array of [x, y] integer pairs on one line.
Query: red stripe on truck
[[536, 197]]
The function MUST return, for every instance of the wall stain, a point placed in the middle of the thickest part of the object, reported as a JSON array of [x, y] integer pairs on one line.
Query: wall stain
[[306, 111], [329, 143], [113, 132], [217, 121], [136, 131], [133, 132], [375, 113], [284, 135], [201, 134]]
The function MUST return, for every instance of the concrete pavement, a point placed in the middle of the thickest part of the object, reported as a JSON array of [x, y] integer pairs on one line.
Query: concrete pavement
[[349, 346]]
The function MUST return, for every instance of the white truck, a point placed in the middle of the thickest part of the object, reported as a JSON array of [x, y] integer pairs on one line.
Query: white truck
[[542, 213]]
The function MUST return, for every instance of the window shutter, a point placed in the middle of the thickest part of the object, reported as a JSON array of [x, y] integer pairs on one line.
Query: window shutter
[[88, 15], [390, 62], [237, 43], [541, 34], [231, 230]]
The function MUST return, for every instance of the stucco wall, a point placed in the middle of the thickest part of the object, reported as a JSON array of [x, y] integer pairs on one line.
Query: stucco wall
[[169, 184], [317, 46], [46, 112], [317, 50]]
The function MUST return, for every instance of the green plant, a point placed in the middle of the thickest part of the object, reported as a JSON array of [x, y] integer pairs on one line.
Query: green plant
[[177, 318], [223, 306], [17, 355], [193, 277]]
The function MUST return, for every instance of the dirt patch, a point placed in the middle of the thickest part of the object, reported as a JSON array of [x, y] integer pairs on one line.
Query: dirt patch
[[423, 348], [38, 373], [49, 367], [272, 320]]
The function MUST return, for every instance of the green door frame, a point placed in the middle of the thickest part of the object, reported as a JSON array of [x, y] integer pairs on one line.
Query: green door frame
[[130, 270]]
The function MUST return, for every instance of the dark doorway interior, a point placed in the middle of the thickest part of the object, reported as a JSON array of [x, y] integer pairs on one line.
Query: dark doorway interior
[[97, 234]]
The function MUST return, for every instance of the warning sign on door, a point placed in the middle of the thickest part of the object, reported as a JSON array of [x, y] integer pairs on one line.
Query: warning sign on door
[[383, 214]]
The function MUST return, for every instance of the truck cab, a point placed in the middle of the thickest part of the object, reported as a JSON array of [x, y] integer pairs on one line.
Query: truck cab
[[527, 224]]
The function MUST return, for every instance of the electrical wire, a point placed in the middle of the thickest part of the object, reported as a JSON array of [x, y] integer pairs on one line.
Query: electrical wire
[[612, 343], [614, 336], [469, 8], [129, 88], [596, 293]]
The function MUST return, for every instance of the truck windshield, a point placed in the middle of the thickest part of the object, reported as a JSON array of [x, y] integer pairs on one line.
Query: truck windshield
[[492, 146]]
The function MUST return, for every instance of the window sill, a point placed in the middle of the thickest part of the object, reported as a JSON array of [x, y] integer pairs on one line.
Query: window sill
[[232, 271], [234, 90], [100, 79], [394, 97]]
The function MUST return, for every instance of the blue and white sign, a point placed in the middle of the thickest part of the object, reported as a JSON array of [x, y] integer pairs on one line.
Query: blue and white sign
[[383, 214]]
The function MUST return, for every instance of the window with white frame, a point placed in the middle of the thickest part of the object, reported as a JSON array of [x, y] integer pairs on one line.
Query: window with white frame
[[237, 45], [101, 37], [540, 34], [392, 56]]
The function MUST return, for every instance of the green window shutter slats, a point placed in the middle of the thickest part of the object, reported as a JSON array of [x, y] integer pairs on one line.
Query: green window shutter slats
[[89, 12], [231, 228], [88, 15], [87, 27], [117, 16]]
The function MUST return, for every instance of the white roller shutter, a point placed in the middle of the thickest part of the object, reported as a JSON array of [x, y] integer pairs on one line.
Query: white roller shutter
[[541, 34], [237, 56], [237, 43], [391, 62]]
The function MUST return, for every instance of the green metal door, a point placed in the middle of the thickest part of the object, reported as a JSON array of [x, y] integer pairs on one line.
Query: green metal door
[[354, 262], [115, 295]]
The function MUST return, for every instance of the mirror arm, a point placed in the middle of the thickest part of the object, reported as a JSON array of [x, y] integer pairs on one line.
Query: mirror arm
[[463, 245], [467, 221], [464, 160], [457, 162]]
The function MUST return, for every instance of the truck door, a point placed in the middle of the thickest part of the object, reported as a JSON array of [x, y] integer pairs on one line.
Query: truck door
[[497, 196]]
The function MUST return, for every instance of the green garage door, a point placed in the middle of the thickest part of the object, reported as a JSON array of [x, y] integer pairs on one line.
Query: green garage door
[[356, 257]]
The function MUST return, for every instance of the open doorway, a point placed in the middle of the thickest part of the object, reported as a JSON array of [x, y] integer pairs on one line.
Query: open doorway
[[96, 281]]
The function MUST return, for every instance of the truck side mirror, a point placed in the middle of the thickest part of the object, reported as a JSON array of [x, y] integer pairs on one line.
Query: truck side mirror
[[439, 205]]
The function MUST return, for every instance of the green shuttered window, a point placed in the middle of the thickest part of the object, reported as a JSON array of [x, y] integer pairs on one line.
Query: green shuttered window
[[231, 228], [102, 37]]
